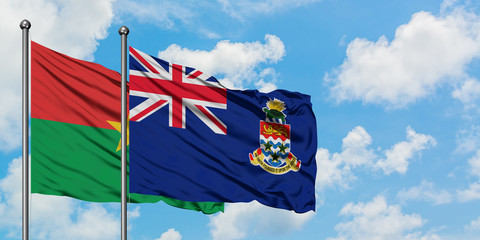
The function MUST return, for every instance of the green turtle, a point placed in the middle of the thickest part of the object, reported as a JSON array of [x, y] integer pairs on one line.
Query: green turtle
[[274, 110]]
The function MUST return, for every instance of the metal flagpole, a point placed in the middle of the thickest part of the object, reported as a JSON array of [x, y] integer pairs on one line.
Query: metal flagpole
[[25, 26], [123, 31]]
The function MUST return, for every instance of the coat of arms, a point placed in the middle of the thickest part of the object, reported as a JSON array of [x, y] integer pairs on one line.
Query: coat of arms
[[274, 154]]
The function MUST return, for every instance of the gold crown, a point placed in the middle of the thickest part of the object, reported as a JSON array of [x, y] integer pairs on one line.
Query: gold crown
[[276, 104]]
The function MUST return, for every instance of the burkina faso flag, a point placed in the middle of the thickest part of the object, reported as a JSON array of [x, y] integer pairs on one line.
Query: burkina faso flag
[[75, 132]]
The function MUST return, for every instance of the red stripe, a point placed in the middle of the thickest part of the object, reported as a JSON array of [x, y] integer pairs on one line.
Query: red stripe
[[147, 110], [173, 88], [213, 119], [69, 90], [195, 75], [142, 60], [177, 103]]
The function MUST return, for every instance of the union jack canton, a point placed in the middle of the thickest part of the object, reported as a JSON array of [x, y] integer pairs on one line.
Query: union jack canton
[[176, 86]]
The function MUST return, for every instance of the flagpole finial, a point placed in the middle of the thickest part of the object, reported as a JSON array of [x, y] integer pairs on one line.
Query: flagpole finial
[[26, 24], [123, 30]]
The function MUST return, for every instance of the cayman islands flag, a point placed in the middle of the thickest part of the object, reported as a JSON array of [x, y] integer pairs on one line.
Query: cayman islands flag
[[192, 139]]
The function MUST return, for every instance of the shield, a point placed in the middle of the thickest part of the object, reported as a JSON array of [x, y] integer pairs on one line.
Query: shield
[[274, 154], [275, 143]]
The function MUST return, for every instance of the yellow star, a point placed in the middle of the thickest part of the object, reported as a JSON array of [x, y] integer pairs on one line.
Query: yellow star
[[118, 127]]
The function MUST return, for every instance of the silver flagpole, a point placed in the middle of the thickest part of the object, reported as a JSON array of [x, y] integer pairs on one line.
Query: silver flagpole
[[123, 31], [25, 26]]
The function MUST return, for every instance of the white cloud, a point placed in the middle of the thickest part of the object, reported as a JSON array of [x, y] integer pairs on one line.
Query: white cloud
[[162, 13], [468, 93], [473, 192], [241, 220], [265, 87], [331, 171], [172, 14], [133, 214], [426, 52], [91, 222], [242, 9], [341, 43], [53, 217], [397, 157], [268, 78], [355, 150], [468, 140], [170, 234], [169, 14], [337, 168], [474, 163], [378, 220], [425, 192], [71, 27], [470, 194], [238, 63], [447, 5], [474, 226], [420, 236], [11, 198]]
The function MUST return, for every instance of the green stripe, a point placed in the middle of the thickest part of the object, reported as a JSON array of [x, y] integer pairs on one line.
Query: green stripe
[[82, 162]]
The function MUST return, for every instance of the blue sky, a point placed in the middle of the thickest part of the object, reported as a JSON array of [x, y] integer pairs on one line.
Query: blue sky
[[395, 88]]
